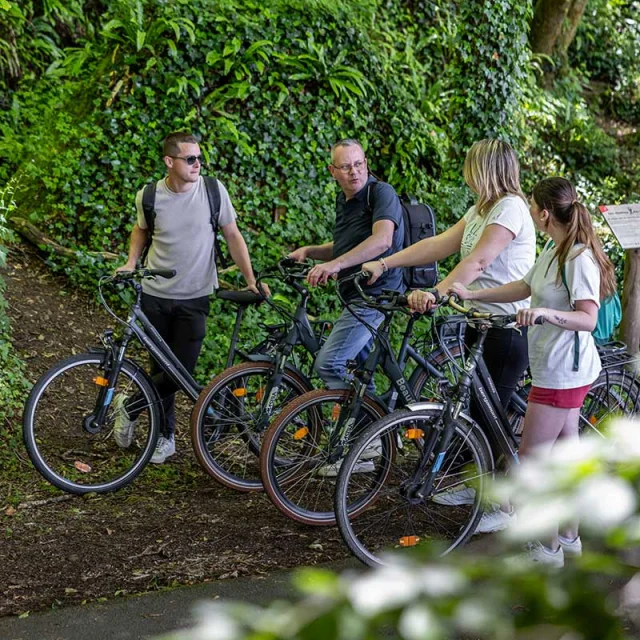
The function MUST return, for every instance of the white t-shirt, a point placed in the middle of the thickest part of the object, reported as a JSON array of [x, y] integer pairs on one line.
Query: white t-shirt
[[183, 240], [514, 261], [551, 348]]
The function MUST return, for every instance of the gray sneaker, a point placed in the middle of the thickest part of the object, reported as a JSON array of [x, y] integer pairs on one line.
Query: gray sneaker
[[572, 548], [455, 496], [165, 448], [332, 470], [123, 427]]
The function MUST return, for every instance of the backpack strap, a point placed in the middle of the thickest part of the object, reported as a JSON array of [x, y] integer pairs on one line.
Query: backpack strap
[[149, 211], [576, 337], [213, 194]]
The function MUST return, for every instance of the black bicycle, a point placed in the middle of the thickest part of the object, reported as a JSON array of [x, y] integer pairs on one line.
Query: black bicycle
[[236, 407], [432, 451], [305, 444], [69, 416]]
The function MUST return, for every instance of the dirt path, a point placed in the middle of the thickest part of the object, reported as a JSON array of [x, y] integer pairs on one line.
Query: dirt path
[[173, 526]]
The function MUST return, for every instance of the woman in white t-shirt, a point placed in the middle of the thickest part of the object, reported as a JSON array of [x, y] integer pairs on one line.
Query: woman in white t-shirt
[[566, 284], [496, 241]]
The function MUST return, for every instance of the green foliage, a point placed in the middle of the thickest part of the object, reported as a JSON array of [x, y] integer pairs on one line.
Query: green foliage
[[13, 383]]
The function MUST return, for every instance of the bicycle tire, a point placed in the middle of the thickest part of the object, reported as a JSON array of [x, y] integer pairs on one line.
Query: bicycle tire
[[420, 379], [298, 436], [227, 447], [394, 520], [613, 394], [63, 451]]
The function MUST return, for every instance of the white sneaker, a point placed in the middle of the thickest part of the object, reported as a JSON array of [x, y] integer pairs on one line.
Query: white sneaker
[[123, 427], [572, 548], [166, 447], [537, 552], [373, 450], [455, 496], [332, 470], [495, 520]]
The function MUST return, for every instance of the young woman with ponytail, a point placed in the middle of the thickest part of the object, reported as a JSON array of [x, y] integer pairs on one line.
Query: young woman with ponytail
[[566, 284]]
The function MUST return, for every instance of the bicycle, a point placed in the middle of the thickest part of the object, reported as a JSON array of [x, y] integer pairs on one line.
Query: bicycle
[[444, 450], [69, 415], [314, 431], [236, 407]]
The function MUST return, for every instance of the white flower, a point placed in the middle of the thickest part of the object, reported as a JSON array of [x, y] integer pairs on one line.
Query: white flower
[[383, 589], [441, 581], [604, 501], [418, 623]]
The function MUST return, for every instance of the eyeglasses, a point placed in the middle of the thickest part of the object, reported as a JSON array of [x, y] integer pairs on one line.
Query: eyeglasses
[[190, 159], [356, 166]]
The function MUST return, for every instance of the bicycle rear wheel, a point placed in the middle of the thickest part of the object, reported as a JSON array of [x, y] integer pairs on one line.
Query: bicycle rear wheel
[[614, 394], [397, 519], [63, 441], [231, 416], [297, 472]]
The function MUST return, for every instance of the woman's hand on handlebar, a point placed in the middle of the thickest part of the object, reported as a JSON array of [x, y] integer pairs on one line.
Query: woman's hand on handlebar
[[529, 317], [421, 301], [461, 291], [373, 268]]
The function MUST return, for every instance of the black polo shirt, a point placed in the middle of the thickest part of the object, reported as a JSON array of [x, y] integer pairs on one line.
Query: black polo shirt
[[354, 224]]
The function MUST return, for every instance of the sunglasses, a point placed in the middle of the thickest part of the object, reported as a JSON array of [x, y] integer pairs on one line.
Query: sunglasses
[[190, 159]]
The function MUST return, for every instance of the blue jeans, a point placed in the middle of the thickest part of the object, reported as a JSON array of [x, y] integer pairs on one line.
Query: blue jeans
[[349, 340]]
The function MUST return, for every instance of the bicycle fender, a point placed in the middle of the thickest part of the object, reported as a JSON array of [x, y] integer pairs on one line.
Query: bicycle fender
[[256, 357]]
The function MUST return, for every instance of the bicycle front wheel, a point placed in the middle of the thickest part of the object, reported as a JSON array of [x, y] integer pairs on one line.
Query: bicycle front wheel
[[399, 518], [231, 416], [299, 466], [65, 442]]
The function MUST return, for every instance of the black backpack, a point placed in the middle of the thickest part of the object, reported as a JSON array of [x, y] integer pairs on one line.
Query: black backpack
[[148, 208], [419, 223]]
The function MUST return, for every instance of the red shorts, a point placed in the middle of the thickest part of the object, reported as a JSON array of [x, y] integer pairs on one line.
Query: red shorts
[[562, 398]]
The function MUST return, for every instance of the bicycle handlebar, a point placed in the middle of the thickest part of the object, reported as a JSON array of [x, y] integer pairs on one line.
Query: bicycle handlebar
[[124, 276]]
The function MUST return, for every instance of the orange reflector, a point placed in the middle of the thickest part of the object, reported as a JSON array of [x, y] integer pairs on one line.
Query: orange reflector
[[300, 433], [100, 381], [82, 466], [409, 541], [335, 412], [239, 393], [414, 434], [593, 419], [260, 394]]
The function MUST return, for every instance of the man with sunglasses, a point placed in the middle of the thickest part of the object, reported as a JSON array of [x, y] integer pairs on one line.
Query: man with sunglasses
[[369, 226], [183, 240]]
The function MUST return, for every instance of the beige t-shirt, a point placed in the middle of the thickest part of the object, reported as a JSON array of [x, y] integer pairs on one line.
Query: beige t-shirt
[[551, 348], [514, 261], [183, 240]]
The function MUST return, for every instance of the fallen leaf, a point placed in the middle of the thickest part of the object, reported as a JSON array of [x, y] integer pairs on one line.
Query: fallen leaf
[[69, 591], [10, 511]]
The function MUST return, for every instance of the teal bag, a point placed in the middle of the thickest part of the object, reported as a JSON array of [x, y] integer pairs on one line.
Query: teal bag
[[609, 317]]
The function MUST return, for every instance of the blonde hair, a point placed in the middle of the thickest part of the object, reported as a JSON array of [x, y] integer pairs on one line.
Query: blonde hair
[[560, 199], [492, 171]]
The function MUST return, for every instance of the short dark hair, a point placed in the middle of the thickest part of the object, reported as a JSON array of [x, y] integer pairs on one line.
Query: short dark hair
[[170, 146]]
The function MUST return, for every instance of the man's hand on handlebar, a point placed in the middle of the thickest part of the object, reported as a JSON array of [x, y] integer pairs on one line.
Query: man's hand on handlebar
[[259, 289], [299, 255], [126, 267], [321, 273], [421, 301]]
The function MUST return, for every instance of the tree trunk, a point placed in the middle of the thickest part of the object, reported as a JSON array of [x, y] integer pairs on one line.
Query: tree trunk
[[574, 15], [630, 327], [546, 25]]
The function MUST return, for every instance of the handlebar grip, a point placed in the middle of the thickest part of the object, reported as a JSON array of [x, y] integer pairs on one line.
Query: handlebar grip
[[162, 273], [287, 262]]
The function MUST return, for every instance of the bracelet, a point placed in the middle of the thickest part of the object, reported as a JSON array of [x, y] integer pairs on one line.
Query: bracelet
[[384, 265]]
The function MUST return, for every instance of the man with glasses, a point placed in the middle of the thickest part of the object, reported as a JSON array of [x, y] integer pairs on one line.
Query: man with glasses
[[183, 240], [369, 226]]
